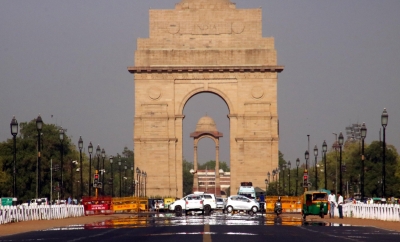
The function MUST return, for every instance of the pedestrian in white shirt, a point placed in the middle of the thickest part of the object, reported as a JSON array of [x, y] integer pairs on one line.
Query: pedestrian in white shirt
[[332, 203], [340, 204]]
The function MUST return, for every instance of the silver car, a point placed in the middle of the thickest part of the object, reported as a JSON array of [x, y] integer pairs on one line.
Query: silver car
[[242, 203], [220, 203]]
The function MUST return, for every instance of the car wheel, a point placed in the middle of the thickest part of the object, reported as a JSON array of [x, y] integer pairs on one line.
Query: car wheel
[[254, 209], [178, 211], [229, 209], [207, 210]]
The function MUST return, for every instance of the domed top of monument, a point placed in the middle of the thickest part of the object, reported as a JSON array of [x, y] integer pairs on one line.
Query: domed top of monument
[[206, 124], [205, 4]]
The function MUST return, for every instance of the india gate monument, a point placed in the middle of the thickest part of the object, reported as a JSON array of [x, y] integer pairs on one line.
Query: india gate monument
[[205, 46]]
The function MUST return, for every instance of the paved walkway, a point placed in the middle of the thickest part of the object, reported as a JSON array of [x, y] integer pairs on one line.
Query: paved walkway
[[21, 227]]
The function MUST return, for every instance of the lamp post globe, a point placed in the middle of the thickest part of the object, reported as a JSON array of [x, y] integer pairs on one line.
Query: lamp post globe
[[14, 132], [341, 141], [384, 122]]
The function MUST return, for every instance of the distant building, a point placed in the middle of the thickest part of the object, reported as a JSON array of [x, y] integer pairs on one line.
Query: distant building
[[207, 182]]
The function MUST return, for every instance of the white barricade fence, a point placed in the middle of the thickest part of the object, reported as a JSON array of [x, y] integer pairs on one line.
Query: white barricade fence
[[385, 212], [10, 214]]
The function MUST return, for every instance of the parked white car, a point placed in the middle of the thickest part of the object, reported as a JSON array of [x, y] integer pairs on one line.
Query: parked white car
[[241, 203], [189, 203]]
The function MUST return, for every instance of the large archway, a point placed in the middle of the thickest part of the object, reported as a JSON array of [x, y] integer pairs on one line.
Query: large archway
[[200, 48]]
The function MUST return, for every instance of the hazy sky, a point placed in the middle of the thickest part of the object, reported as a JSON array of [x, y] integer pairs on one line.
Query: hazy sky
[[69, 59]]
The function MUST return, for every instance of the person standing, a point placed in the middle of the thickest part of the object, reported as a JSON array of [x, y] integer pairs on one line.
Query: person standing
[[340, 205], [262, 202], [332, 203]]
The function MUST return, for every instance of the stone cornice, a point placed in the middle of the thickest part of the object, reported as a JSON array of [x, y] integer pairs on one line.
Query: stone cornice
[[141, 69]]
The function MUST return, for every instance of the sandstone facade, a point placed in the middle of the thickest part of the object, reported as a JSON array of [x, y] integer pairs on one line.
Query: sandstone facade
[[205, 46]]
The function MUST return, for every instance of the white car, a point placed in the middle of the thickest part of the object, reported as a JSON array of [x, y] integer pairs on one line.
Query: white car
[[189, 203], [241, 203]]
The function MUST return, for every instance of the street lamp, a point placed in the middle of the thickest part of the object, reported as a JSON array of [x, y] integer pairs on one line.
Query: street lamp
[[266, 189], [133, 181], [98, 152], [269, 179], [315, 167], [80, 145], [289, 166], [145, 181], [384, 122], [61, 136], [306, 156], [39, 126], [14, 132], [90, 149], [112, 175], [324, 149], [138, 179], [125, 167], [284, 185], [120, 178], [297, 173], [192, 171], [103, 155], [363, 135], [341, 140]]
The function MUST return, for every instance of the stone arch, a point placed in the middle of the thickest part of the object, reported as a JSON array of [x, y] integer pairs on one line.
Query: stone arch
[[225, 56], [196, 91]]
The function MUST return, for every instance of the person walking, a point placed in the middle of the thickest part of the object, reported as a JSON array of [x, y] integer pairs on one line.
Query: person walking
[[332, 203], [340, 205]]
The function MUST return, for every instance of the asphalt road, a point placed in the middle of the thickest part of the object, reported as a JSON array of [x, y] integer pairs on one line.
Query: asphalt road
[[218, 227]]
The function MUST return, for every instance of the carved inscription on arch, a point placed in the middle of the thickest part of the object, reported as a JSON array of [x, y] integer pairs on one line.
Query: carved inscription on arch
[[206, 28]]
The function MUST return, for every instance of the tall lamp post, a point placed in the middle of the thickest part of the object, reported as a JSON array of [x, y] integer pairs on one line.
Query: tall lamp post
[[341, 140], [39, 125], [289, 165], [120, 178], [80, 145], [61, 136], [315, 167], [112, 175], [306, 156], [363, 135], [284, 184], [138, 183], [269, 179], [98, 152], [144, 182], [14, 132], [125, 167], [90, 150], [103, 173], [297, 173], [324, 149], [133, 181], [384, 122]]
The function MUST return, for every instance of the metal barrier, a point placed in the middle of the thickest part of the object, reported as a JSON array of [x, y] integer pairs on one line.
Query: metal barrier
[[130, 204], [289, 204], [9, 214], [97, 205]]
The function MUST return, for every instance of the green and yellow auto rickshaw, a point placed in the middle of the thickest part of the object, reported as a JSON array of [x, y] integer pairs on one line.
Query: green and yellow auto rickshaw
[[314, 203]]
